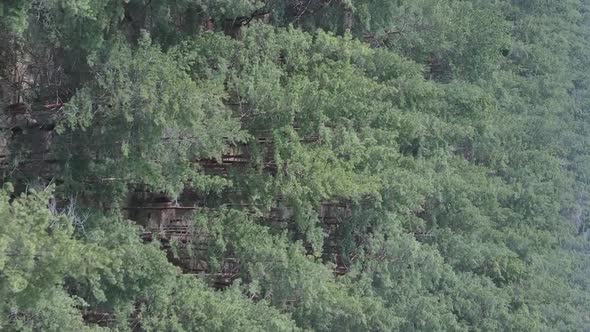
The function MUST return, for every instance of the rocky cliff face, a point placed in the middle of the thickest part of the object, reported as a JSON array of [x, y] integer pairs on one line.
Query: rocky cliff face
[[25, 143], [28, 156]]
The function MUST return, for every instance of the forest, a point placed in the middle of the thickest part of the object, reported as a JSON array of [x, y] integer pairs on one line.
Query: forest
[[295, 165]]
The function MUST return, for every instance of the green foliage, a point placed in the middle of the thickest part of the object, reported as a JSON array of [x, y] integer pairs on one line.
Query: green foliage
[[109, 269], [453, 135], [143, 120], [37, 252], [281, 273], [13, 15]]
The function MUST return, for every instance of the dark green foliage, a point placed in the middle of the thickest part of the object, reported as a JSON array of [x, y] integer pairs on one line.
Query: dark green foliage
[[451, 137], [143, 121], [42, 265]]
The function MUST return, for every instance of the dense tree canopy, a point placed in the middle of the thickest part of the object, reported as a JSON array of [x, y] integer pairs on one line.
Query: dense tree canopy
[[367, 165]]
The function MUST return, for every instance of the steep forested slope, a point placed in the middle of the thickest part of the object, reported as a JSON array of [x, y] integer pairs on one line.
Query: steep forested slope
[[330, 165]]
